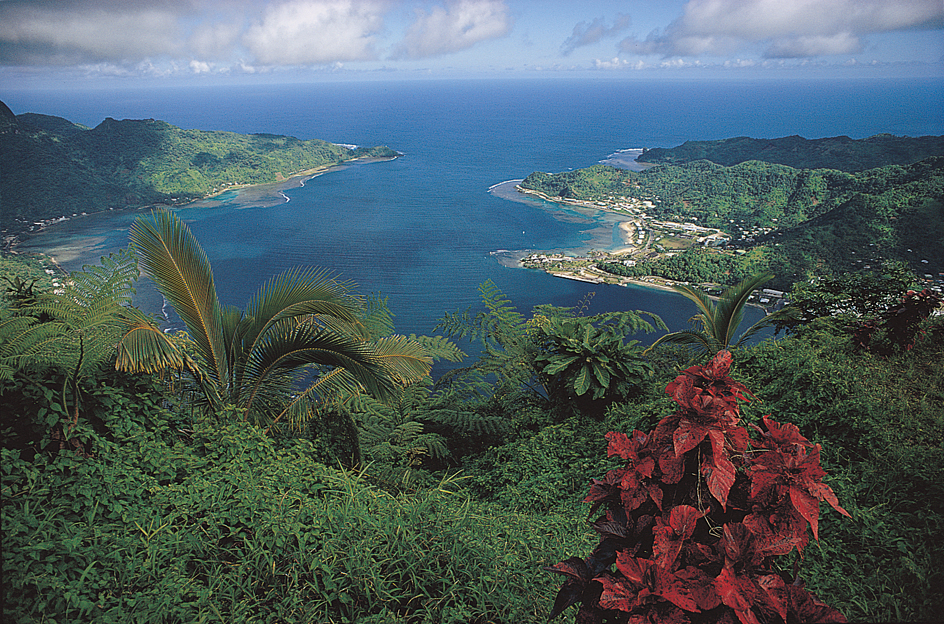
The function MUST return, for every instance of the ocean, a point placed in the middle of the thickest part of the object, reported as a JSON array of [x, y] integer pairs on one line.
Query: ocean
[[426, 229]]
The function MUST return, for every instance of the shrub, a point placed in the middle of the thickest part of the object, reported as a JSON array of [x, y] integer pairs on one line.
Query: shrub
[[696, 518]]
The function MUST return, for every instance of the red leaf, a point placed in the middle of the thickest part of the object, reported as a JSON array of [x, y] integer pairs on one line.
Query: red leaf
[[671, 465], [778, 532], [807, 506], [719, 366], [783, 434], [688, 436], [621, 593], [824, 492], [775, 593], [632, 499], [683, 519], [655, 493], [671, 535], [625, 446], [719, 474], [738, 593], [701, 587], [683, 389], [674, 589], [632, 568], [808, 609]]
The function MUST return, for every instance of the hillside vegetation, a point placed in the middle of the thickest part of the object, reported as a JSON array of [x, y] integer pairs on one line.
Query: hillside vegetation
[[126, 497], [779, 218], [839, 152], [53, 167]]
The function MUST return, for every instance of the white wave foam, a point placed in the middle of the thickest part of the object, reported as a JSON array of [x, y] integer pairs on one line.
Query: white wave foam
[[505, 182]]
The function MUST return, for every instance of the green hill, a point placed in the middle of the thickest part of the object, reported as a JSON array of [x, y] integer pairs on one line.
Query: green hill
[[53, 167], [791, 221], [840, 152]]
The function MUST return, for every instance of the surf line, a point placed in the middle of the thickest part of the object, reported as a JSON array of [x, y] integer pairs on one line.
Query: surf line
[[505, 182]]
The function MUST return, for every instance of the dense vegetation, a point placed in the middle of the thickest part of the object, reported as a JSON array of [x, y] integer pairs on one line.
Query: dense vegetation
[[128, 497], [840, 153], [292, 460], [789, 221], [53, 167]]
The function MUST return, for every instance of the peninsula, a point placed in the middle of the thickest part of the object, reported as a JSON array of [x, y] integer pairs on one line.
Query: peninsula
[[54, 169], [689, 219]]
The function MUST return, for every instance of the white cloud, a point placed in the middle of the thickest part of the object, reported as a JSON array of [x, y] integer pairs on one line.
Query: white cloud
[[457, 26], [74, 34], [587, 34], [785, 28], [215, 40], [304, 32]]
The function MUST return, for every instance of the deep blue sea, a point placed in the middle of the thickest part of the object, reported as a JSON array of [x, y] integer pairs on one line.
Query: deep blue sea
[[424, 229]]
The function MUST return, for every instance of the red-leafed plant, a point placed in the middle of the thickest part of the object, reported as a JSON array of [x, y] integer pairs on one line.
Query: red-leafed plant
[[694, 519], [901, 322]]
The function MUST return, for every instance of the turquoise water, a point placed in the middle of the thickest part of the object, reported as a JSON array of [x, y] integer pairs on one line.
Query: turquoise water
[[424, 229]]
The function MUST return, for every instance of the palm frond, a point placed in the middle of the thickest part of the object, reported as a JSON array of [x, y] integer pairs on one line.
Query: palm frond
[[146, 349], [729, 311], [178, 265], [439, 348], [768, 321], [300, 292], [685, 337]]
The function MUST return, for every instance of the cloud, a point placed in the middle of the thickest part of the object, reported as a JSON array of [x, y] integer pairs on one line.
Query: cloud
[[69, 33], [459, 25], [785, 28], [587, 34], [303, 32]]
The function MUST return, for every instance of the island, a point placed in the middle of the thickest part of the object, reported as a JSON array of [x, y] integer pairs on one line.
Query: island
[[692, 220], [56, 169]]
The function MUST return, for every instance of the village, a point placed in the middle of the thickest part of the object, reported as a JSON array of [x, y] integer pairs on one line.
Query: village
[[646, 238]]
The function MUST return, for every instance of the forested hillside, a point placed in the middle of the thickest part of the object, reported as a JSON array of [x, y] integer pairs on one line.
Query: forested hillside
[[790, 221], [170, 495], [53, 167], [840, 153]]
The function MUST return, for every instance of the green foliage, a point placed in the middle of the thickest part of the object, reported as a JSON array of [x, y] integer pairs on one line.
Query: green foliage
[[719, 320], [840, 153], [543, 471], [824, 221], [226, 526], [580, 358], [132, 163], [847, 296], [696, 264], [556, 354], [261, 359], [73, 329]]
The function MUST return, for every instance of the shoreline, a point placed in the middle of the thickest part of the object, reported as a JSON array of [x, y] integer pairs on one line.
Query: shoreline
[[294, 180]]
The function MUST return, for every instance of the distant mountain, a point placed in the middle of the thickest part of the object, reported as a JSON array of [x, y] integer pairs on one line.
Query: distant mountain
[[841, 153], [53, 167]]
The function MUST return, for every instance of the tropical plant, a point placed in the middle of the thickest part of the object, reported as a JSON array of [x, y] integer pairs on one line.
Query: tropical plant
[[696, 517], [300, 339], [719, 320], [587, 356], [556, 353], [75, 328]]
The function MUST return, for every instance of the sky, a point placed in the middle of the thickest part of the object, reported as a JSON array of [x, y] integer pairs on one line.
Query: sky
[[56, 42]]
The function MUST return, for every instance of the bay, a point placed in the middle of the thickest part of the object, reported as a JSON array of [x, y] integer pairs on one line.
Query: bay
[[426, 229]]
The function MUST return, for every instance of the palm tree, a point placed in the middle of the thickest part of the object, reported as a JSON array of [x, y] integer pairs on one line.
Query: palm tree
[[719, 320], [299, 340]]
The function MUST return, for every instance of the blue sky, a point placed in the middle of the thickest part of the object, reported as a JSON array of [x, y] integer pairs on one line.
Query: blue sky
[[47, 42]]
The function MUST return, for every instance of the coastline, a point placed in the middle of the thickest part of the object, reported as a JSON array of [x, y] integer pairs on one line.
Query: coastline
[[294, 180]]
